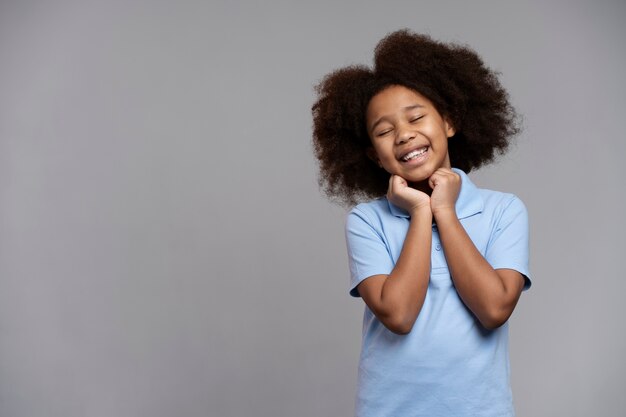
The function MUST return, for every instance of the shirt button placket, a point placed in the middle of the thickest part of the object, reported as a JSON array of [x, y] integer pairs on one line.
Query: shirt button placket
[[437, 245]]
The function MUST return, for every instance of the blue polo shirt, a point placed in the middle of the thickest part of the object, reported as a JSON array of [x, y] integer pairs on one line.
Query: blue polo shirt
[[448, 365]]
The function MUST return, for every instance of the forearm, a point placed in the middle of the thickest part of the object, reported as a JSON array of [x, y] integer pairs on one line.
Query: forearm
[[480, 287], [404, 290]]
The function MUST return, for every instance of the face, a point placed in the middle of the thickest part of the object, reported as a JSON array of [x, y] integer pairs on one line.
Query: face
[[409, 137]]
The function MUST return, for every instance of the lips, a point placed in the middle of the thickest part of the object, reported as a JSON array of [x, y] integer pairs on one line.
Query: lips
[[413, 153]]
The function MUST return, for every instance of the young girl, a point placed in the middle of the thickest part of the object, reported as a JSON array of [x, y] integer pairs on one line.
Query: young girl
[[439, 263]]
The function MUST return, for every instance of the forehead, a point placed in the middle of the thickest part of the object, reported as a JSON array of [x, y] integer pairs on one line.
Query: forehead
[[394, 99]]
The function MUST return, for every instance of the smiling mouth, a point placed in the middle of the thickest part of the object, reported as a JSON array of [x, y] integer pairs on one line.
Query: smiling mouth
[[414, 154]]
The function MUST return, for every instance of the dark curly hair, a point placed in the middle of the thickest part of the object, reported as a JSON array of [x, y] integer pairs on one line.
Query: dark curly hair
[[453, 77]]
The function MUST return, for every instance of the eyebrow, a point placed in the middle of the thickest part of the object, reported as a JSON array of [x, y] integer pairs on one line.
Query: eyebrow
[[407, 108]]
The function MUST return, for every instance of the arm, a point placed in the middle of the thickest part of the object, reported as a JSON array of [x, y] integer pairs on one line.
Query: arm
[[491, 294], [397, 298]]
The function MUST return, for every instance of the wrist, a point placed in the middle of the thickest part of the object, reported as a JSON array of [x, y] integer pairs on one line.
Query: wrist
[[445, 213], [421, 211]]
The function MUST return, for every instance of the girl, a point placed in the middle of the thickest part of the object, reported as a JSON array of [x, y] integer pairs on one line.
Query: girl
[[439, 263]]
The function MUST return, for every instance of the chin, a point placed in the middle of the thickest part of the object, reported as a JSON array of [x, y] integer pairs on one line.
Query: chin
[[419, 177]]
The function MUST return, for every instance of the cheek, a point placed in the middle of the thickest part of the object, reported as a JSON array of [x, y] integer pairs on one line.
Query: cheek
[[436, 133]]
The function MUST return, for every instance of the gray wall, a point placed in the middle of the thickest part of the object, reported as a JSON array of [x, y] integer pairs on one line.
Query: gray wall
[[164, 248]]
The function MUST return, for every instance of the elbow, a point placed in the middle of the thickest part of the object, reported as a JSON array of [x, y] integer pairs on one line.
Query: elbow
[[494, 319], [400, 325], [400, 330]]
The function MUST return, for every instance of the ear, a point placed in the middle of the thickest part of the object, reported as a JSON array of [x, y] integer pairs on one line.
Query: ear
[[371, 154], [450, 130]]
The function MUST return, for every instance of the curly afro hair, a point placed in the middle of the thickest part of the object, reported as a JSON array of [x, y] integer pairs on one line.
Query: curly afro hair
[[453, 77]]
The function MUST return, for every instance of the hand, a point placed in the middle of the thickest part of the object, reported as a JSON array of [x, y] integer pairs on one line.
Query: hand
[[446, 185], [410, 199]]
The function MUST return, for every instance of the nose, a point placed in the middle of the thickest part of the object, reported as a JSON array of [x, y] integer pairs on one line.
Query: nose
[[405, 134]]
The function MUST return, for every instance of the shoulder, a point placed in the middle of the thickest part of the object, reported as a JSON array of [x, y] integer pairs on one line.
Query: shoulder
[[373, 217], [499, 198], [373, 211], [498, 201], [502, 209]]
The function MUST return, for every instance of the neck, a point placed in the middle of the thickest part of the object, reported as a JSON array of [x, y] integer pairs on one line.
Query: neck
[[422, 186]]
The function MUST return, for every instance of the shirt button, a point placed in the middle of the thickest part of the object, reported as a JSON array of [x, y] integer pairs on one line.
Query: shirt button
[[438, 247]]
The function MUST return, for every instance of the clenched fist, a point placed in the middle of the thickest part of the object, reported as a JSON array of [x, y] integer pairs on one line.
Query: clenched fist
[[410, 199], [446, 185]]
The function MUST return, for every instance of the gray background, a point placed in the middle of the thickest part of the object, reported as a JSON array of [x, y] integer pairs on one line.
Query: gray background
[[164, 248]]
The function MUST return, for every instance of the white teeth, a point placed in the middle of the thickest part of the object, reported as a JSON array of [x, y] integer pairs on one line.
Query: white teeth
[[414, 154]]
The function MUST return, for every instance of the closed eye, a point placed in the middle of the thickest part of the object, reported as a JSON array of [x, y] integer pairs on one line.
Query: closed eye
[[384, 132], [415, 119]]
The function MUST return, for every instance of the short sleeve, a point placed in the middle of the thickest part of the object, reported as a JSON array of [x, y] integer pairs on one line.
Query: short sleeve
[[508, 245], [367, 252]]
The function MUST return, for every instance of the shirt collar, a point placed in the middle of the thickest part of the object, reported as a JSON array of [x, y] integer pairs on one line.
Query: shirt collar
[[468, 203]]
